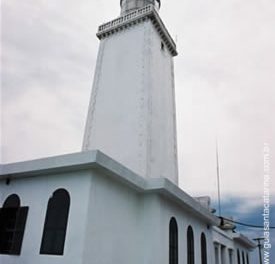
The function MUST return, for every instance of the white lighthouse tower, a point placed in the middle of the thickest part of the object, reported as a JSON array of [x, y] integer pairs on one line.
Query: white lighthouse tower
[[126, 215], [131, 114]]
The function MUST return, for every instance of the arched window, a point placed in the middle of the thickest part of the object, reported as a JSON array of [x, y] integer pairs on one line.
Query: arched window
[[12, 225], [53, 239], [173, 241], [190, 246], [203, 249], [12, 201], [238, 256]]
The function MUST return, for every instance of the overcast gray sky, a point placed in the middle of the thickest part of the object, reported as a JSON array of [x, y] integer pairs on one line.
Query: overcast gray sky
[[225, 75]]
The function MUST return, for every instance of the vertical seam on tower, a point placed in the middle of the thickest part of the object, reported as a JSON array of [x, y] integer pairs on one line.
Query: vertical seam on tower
[[141, 104], [90, 118], [149, 116], [175, 120]]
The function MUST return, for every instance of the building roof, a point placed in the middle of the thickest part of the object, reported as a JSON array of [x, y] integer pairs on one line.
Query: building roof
[[97, 160], [243, 240], [234, 236]]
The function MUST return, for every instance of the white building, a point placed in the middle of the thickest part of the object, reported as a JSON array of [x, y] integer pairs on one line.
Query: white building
[[90, 208]]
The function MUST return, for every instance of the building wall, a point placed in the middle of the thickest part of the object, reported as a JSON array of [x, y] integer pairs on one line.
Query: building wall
[[109, 222], [223, 242], [163, 141], [126, 226], [35, 193], [114, 223], [184, 219], [131, 115]]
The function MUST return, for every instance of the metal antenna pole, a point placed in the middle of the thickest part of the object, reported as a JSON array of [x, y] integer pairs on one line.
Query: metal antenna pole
[[218, 177]]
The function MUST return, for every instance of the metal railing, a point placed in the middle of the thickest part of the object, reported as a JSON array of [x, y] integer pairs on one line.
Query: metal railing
[[126, 18]]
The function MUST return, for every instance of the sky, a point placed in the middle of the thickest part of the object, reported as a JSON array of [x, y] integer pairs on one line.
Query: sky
[[224, 81]]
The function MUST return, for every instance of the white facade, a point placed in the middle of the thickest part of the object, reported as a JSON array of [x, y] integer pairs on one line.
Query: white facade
[[120, 207], [132, 109], [115, 215], [230, 247], [35, 192]]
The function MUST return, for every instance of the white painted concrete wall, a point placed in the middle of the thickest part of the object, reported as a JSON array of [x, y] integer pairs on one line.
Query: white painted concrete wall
[[114, 223], [129, 227], [132, 110], [109, 222], [35, 193], [184, 219], [222, 238]]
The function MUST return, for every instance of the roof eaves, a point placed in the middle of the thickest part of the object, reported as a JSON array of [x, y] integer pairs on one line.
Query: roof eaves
[[166, 187], [244, 240], [97, 160], [64, 163]]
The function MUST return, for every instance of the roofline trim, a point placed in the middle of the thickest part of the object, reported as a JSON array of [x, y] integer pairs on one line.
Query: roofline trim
[[95, 159], [135, 17], [244, 240]]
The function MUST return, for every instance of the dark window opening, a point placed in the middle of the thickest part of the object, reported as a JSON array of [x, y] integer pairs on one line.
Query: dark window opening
[[203, 249], [162, 46], [238, 257], [217, 261], [190, 246], [173, 241], [12, 225], [230, 251], [159, 4], [8, 180], [54, 233]]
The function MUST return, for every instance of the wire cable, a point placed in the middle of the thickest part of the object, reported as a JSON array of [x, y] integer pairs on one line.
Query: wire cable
[[245, 224]]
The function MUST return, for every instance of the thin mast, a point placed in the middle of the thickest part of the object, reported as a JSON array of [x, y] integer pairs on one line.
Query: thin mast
[[218, 177]]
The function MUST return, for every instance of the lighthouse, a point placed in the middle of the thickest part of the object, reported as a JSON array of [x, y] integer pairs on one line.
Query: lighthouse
[[131, 115], [118, 200]]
